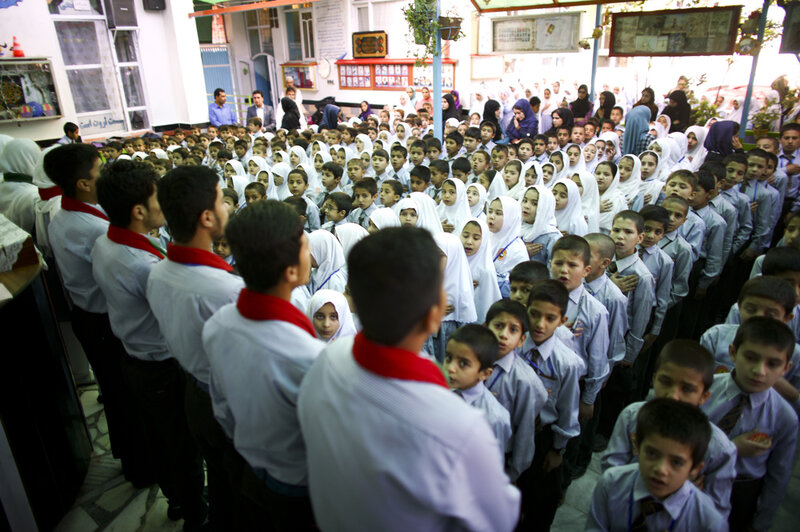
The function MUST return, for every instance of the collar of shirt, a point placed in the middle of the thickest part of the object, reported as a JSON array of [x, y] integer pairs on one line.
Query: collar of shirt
[[627, 262], [731, 390], [596, 285], [194, 256], [395, 363], [715, 201], [545, 349], [71, 204], [651, 250], [261, 307], [126, 237], [673, 504], [470, 395], [701, 210], [506, 362], [672, 235]]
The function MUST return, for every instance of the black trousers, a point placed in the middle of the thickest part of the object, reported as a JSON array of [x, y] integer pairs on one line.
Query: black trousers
[[541, 490], [125, 422], [159, 390], [744, 502], [287, 512]]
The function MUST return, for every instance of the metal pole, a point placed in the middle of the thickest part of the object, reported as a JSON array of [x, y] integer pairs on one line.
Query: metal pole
[[762, 23], [437, 81], [594, 52]]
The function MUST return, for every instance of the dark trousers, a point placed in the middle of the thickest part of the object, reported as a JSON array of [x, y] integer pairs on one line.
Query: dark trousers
[[579, 449], [618, 393], [159, 389], [691, 311], [744, 502], [288, 507], [541, 490], [125, 423]]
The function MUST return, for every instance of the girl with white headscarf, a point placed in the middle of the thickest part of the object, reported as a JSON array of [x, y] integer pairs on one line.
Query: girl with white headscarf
[[298, 158], [539, 229], [383, 218], [333, 321], [612, 200], [363, 144], [612, 138], [478, 210], [475, 238], [236, 178], [280, 176], [18, 194], [328, 262], [574, 151], [590, 199], [650, 171], [592, 163], [458, 211], [696, 155], [425, 208], [570, 218], [504, 219], [631, 167], [349, 234]]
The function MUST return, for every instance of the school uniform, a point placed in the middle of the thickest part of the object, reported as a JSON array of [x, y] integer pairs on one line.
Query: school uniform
[[762, 217], [734, 317], [722, 206], [769, 413], [330, 226], [517, 387], [401, 175], [693, 231], [676, 247], [260, 348], [364, 415], [547, 240], [383, 176], [586, 312], [361, 216], [615, 302], [312, 214], [121, 262], [744, 219], [497, 416], [718, 472], [324, 196], [488, 147], [711, 250], [559, 369], [641, 301], [661, 266], [618, 499], [541, 159], [784, 160]]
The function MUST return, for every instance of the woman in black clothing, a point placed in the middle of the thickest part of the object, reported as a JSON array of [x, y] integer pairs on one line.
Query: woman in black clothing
[[291, 114], [679, 111]]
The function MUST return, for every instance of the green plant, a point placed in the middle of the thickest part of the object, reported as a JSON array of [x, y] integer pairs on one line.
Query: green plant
[[703, 112], [764, 117], [423, 24]]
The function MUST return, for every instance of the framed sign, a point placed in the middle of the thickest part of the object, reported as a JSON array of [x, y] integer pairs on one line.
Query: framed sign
[[303, 74], [705, 31], [544, 33], [27, 90], [370, 44]]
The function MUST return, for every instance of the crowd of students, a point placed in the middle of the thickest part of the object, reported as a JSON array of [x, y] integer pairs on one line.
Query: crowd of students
[[581, 290]]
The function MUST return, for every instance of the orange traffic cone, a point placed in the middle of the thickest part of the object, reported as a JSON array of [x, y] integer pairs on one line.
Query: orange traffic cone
[[17, 49]]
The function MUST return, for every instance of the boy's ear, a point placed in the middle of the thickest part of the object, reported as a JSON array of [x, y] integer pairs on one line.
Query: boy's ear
[[732, 352], [522, 339], [564, 319], [696, 470], [704, 397], [641, 238], [605, 263], [485, 373], [433, 318]]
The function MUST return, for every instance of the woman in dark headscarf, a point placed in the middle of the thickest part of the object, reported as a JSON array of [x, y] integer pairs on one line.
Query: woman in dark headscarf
[[561, 117], [366, 110], [490, 112], [607, 101], [449, 109], [720, 140], [524, 123], [291, 114], [457, 99], [330, 117], [648, 99], [679, 111], [582, 107]]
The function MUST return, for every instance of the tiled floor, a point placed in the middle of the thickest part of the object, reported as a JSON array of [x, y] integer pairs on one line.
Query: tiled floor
[[109, 503]]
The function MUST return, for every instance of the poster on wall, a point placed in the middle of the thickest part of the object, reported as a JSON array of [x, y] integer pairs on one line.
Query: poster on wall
[[370, 44], [530, 34], [685, 32]]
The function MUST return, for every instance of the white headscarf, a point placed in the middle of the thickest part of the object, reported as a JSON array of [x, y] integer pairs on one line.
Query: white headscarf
[[610, 136], [591, 165], [735, 115], [427, 217], [347, 327], [618, 203], [458, 212], [497, 187], [240, 180], [653, 185], [367, 143], [570, 218], [45, 210], [282, 169], [697, 156], [159, 153], [577, 167], [383, 218], [405, 127], [329, 255], [518, 189], [457, 279], [512, 224], [553, 179], [20, 156], [632, 187], [478, 210], [482, 268], [590, 201], [284, 157], [537, 170], [314, 183], [666, 128], [545, 221], [669, 157], [349, 234], [261, 162], [561, 174]]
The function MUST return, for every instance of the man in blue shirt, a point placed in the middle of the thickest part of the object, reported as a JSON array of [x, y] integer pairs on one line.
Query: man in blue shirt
[[218, 112]]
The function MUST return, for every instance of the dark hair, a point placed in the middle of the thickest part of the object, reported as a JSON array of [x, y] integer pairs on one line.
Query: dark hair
[[400, 148], [631, 216], [380, 153], [258, 91], [224, 154], [217, 92], [603, 244], [770, 287], [440, 165], [655, 213], [771, 158], [368, 184], [574, 244], [184, 193], [534, 101], [688, 354], [774, 141], [417, 144], [333, 168], [462, 165], [541, 137], [396, 186], [231, 193], [456, 137], [529, 272], [781, 259], [258, 187], [676, 421], [610, 164], [564, 128], [500, 147], [514, 308], [677, 199], [490, 173], [433, 142], [766, 331], [488, 123], [299, 171], [480, 341], [342, 201], [715, 168], [298, 204], [526, 140], [422, 172], [124, 185], [738, 158], [473, 133], [66, 164], [70, 127], [114, 145], [265, 239], [397, 268], [706, 180], [791, 126], [484, 153], [757, 152], [550, 291]]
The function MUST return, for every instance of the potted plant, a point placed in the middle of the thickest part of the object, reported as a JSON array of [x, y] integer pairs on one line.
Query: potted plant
[[421, 18], [763, 119]]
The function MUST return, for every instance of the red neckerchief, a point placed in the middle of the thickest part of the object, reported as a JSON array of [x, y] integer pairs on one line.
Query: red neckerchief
[[131, 239], [49, 193], [71, 204], [395, 363], [197, 257], [258, 306]]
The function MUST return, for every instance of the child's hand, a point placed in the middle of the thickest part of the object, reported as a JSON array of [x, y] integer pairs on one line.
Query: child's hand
[[278, 180], [749, 447], [585, 412], [449, 309], [771, 179], [753, 206], [475, 284], [647, 198], [737, 143], [447, 227], [625, 283], [551, 461], [533, 249], [606, 206], [576, 327]]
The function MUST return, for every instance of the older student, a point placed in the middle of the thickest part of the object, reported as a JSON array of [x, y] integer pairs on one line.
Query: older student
[[121, 262], [373, 408]]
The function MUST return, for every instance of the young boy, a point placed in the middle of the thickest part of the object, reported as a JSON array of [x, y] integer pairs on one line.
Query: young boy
[[525, 149], [453, 143], [540, 148], [683, 183], [480, 163], [297, 181], [552, 144], [722, 206], [469, 359], [767, 180], [522, 277], [757, 419], [460, 168], [440, 170], [488, 130], [678, 249], [559, 368], [499, 157], [254, 192], [684, 371], [656, 222], [374, 389], [336, 208], [657, 493], [420, 181], [514, 383], [714, 235], [111, 151], [331, 182], [365, 192], [380, 161], [760, 203], [789, 158], [472, 137], [391, 193], [433, 149], [398, 170], [416, 154]]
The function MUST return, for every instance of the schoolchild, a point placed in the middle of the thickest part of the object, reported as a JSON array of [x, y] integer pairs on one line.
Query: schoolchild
[[539, 229], [365, 193], [504, 220], [476, 240], [522, 278]]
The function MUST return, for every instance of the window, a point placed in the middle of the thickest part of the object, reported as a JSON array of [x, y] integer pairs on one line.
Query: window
[[362, 15], [127, 56], [80, 43], [300, 35], [259, 31]]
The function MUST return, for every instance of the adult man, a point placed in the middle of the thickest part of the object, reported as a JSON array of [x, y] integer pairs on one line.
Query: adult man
[[218, 112], [264, 112]]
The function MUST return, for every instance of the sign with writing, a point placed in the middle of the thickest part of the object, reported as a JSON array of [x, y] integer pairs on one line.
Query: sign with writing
[[370, 44], [100, 123], [330, 26], [548, 33]]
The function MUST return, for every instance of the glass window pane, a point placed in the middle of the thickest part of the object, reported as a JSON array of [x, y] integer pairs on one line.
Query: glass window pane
[[363, 18], [263, 17], [308, 35], [132, 85], [125, 46], [266, 41], [139, 119], [293, 36], [255, 44], [252, 19], [88, 90], [78, 42]]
